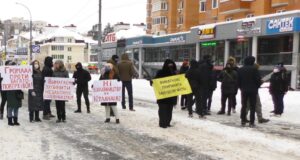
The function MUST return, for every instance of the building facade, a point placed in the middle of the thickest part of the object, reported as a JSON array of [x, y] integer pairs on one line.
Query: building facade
[[172, 16]]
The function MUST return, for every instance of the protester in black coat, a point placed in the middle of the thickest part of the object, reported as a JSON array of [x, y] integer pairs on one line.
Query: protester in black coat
[[279, 85], [166, 105], [212, 88], [194, 79], [3, 95], [47, 72], [206, 71], [35, 95], [232, 61], [249, 81], [229, 80], [183, 69], [82, 78]]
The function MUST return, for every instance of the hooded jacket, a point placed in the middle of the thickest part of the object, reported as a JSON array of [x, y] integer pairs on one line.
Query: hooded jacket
[[249, 78], [206, 73], [47, 70], [126, 68], [229, 80], [81, 76], [166, 71]]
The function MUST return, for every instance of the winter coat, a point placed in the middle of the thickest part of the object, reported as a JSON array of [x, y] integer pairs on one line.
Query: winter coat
[[13, 101], [47, 70], [229, 80], [193, 76], [61, 74], [36, 103], [279, 83], [214, 79], [82, 77], [126, 68], [109, 76], [249, 78], [166, 72], [183, 69], [206, 75]]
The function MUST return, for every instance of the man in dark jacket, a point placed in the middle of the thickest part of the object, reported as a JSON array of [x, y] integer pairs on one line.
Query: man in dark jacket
[[249, 81], [183, 69], [47, 72], [82, 78], [3, 95], [166, 105], [229, 80], [126, 71], [194, 79], [206, 71]]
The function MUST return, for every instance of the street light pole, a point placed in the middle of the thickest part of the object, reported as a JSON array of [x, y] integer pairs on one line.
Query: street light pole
[[30, 29], [100, 34]]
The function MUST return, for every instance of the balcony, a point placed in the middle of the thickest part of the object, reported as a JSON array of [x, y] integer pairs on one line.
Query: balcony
[[279, 3], [234, 6]]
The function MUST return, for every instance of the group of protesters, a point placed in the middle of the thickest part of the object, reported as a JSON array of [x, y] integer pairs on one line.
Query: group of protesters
[[203, 79], [122, 71]]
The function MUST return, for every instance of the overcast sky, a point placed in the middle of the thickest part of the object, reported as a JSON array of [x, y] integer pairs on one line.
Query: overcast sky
[[83, 13]]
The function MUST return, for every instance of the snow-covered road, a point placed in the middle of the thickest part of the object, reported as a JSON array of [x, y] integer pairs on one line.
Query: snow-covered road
[[86, 136]]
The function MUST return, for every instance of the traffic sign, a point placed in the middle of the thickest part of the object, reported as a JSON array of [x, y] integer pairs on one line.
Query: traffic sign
[[36, 49]]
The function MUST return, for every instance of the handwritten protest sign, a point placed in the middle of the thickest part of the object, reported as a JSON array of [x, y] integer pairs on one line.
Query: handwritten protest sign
[[171, 86], [16, 78], [59, 89], [107, 91]]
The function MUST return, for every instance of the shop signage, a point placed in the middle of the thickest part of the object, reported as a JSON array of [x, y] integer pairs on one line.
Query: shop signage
[[281, 25], [178, 39], [137, 42], [209, 44], [207, 33], [248, 28], [110, 37]]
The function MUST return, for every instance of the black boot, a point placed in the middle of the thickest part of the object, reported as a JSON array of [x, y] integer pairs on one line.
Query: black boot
[[107, 120], [30, 117], [78, 111], [118, 121], [88, 109], [10, 123], [16, 121], [37, 116]]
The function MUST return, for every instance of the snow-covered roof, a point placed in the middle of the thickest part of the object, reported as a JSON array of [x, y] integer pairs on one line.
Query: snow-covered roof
[[59, 32], [89, 40], [134, 31]]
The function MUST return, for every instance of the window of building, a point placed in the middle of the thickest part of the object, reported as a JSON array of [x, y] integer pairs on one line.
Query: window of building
[[202, 6], [70, 49], [59, 39], [240, 49], [250, 15], [229, 19], [160, 20], [215, 4], [69, 40], [164, 20], [164, 6], [69, 58], [57, 48], [275, 49], [215, 49], [158, 6], [181, 5], [55, 56], [180, 20]]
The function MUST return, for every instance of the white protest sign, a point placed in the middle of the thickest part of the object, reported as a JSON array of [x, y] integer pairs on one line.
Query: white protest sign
[[16, 78], [59, 89], [106, 91]]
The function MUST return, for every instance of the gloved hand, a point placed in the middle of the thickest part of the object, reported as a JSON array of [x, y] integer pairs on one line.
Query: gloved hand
[[33, 94]]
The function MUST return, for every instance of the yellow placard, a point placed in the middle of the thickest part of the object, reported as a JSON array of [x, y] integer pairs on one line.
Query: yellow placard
[[171, 86], [23, 63]]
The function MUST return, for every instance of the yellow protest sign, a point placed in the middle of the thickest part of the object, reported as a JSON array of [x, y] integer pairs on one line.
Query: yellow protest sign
[[171, 86]]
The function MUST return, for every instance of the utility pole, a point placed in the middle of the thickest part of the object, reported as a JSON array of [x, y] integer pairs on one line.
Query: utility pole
[[100, 34], [30, 26]]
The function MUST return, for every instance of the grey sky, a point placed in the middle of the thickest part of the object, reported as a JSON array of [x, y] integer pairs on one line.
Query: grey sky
[[83, 13]]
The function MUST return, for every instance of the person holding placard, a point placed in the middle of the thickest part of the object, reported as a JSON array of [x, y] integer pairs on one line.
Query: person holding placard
[[60, 71], [108, 73], [166, 105], [14, 102], [35, 95]]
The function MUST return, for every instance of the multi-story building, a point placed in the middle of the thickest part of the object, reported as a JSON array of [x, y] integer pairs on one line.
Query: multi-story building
[[171, 16]]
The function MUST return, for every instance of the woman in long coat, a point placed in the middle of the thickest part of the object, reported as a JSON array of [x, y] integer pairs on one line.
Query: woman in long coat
[[35, 95]]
